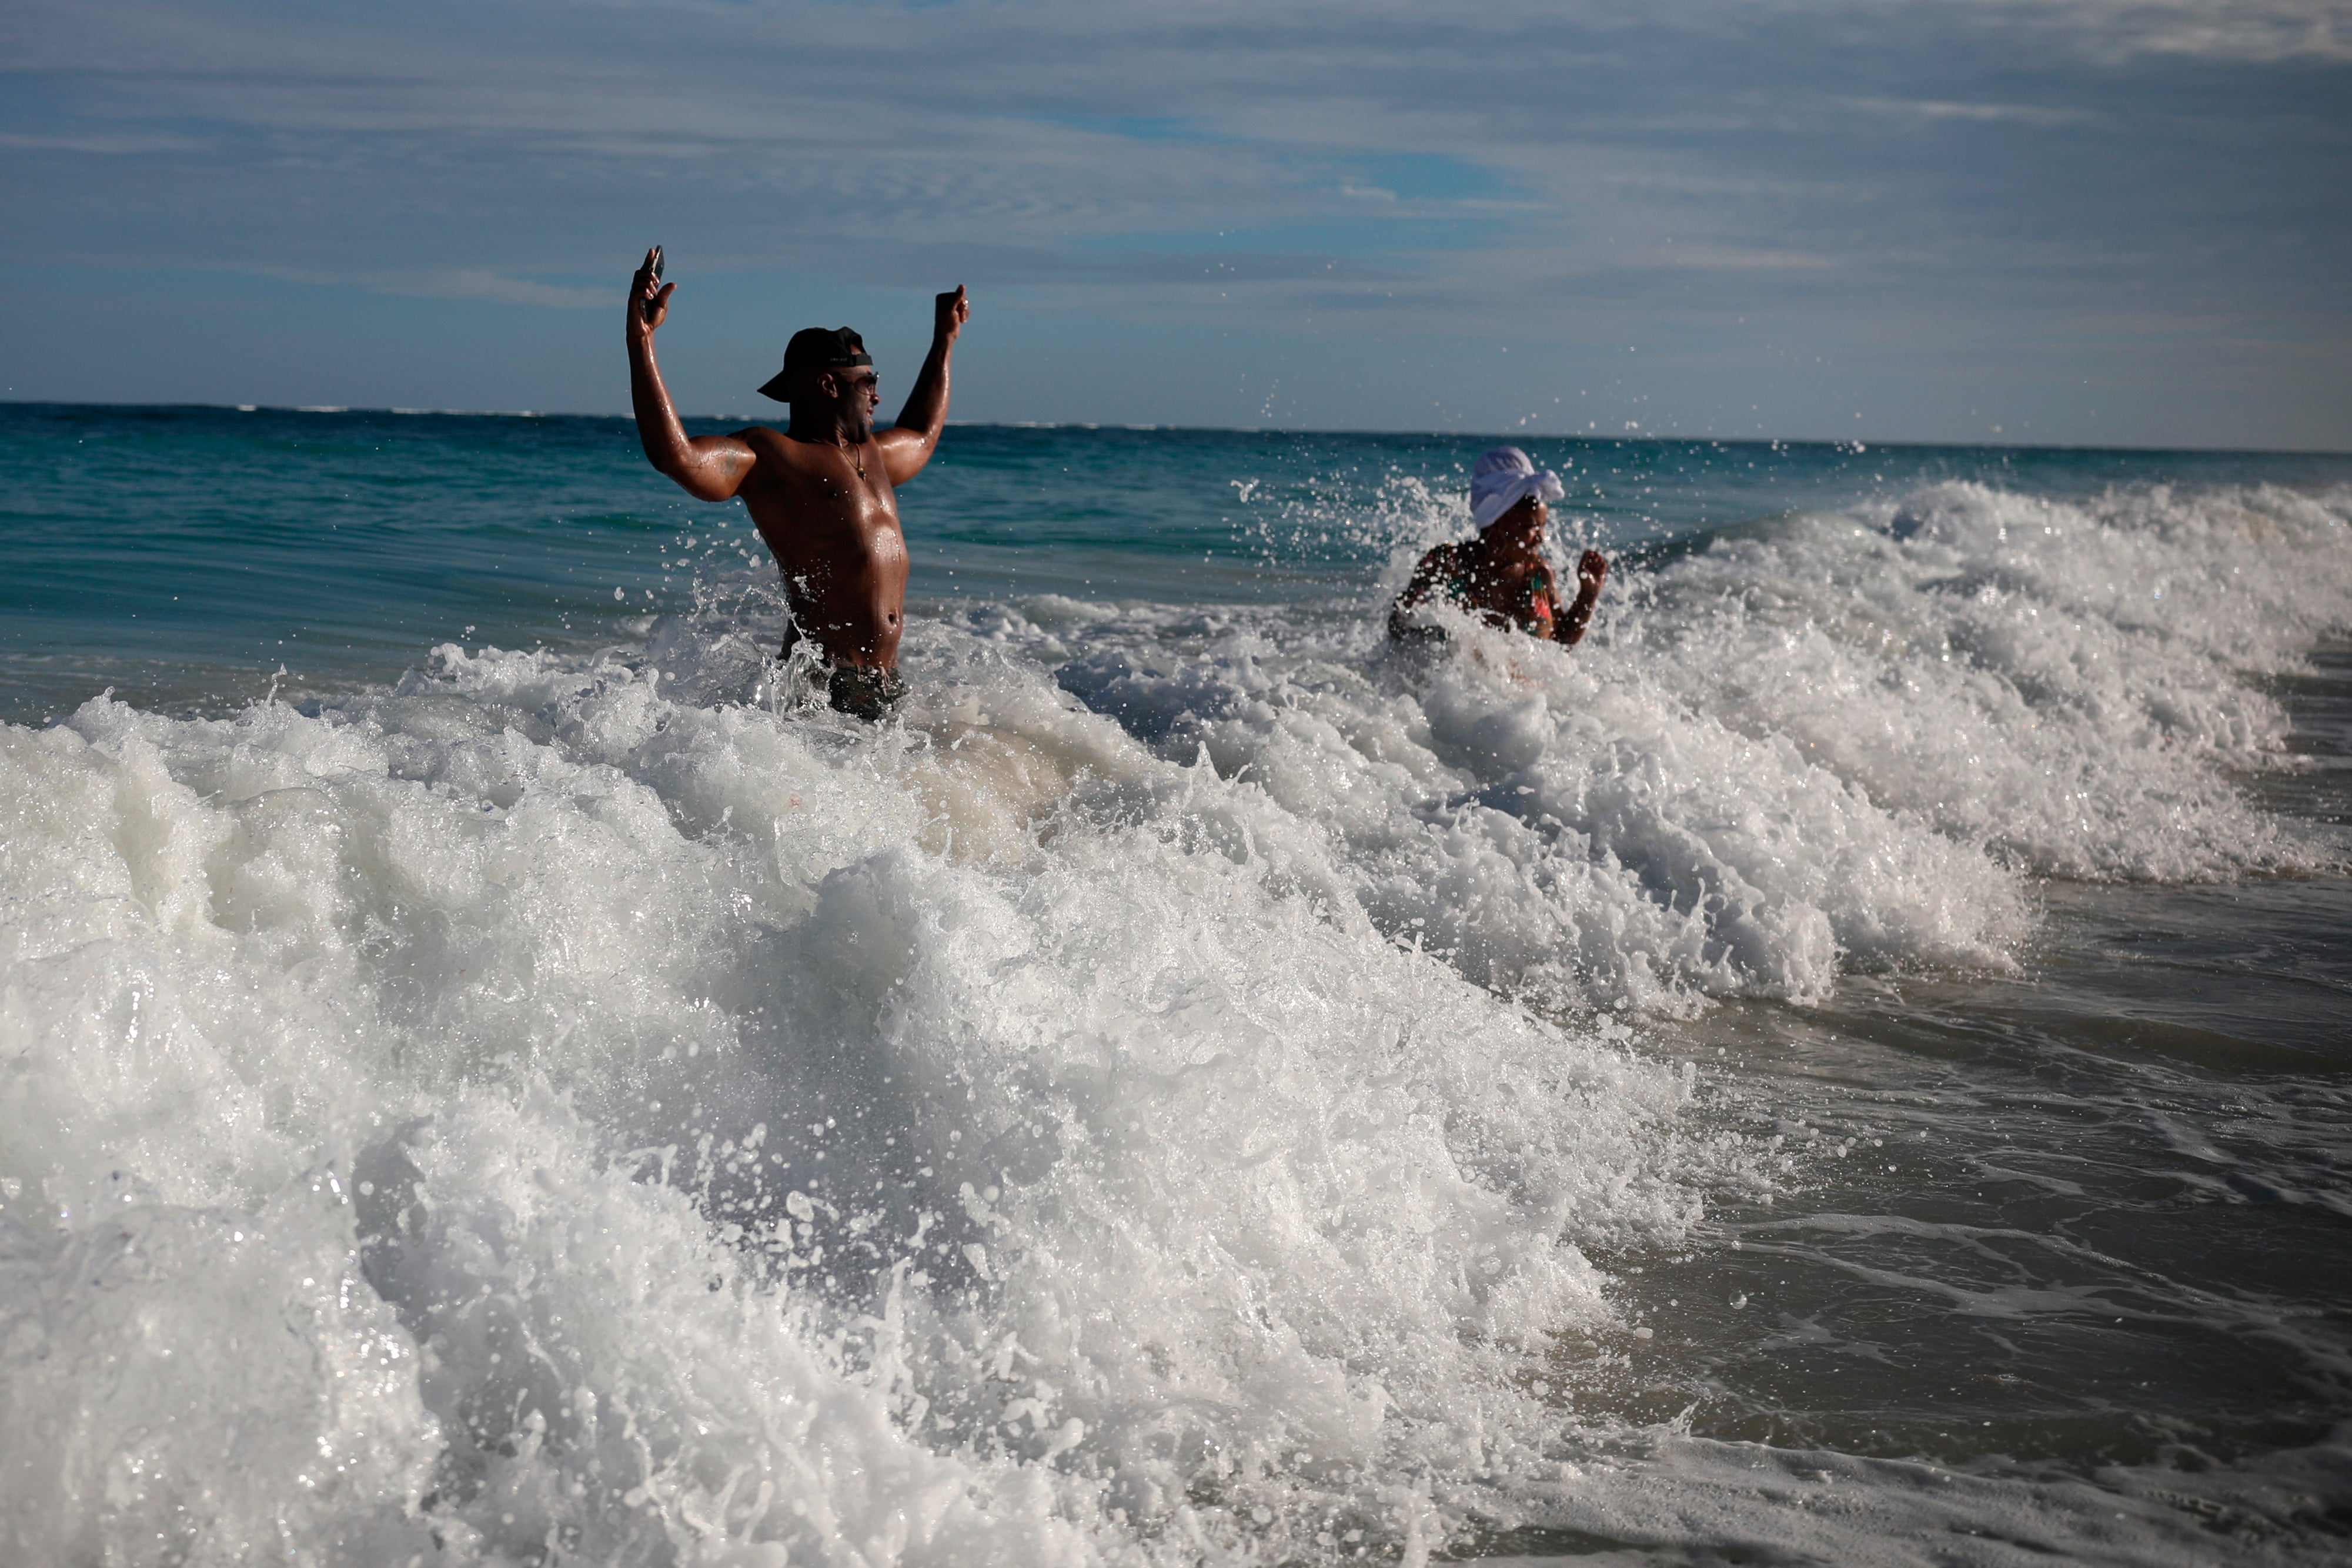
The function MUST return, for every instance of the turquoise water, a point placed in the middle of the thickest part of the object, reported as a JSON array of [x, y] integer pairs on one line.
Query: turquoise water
[[1849, 1064], [182, 555]]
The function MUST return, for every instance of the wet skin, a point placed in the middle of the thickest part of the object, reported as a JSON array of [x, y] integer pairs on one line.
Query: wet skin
[[832, 529], [1499, 565]]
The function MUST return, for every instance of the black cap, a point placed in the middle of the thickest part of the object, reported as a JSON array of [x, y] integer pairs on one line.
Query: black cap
[[814, 349]]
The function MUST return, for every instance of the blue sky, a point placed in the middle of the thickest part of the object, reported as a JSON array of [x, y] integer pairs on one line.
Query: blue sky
[[2093, 221]]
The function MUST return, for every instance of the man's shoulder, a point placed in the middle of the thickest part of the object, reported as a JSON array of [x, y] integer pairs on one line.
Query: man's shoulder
[[776, 453]]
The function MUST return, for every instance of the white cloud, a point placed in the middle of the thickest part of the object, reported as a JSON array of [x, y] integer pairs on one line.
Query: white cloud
[[465, 282], [99, 145], [1529, 168], [2248, 31], [1934, 109]]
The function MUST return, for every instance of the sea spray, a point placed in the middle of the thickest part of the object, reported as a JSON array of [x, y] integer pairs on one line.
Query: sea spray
[[682, 1183], [2068, 684], [1165, 1100]]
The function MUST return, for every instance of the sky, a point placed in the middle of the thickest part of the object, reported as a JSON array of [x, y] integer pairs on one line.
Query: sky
[[2077, 222]]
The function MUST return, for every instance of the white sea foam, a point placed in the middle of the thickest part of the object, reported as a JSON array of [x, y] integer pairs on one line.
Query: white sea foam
[[604, 1107], [1035, 1150], [2069, 686]]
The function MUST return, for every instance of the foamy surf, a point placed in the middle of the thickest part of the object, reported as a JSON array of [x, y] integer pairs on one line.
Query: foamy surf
[[610, 1174], [1164, 1101]]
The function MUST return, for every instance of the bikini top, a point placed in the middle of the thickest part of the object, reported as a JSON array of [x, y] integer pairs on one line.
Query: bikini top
[[1459, 578]]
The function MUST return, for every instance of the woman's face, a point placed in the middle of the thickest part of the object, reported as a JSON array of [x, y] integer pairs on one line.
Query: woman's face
[[1521, 528]]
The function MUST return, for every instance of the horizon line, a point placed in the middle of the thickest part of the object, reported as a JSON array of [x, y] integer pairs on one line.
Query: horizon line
[[1849, 443]]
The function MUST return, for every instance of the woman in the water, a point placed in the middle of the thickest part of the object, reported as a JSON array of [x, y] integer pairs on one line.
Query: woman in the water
[[1501, 576]]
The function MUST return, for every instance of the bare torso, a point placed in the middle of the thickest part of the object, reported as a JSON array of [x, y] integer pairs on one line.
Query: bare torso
[[835, 537]]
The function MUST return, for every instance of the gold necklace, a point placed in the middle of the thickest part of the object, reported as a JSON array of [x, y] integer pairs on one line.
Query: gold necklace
[[855, 461]]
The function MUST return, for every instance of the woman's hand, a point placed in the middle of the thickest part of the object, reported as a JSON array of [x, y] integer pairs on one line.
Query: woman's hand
[[1591, 568]]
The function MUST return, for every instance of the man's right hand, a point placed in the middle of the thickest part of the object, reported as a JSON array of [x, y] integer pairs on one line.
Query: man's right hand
[[642, 289]]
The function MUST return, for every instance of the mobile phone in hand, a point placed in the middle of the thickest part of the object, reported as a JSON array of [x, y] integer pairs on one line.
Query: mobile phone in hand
[[647, 304]]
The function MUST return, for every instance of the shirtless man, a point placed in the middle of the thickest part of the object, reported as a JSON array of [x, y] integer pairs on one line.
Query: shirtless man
[[1500, 576], [821, 490]]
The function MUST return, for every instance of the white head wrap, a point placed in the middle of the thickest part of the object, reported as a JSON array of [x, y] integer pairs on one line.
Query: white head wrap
[[1504, 478]]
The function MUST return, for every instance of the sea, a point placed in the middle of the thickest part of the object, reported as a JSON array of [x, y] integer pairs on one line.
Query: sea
[[1850, 1064]]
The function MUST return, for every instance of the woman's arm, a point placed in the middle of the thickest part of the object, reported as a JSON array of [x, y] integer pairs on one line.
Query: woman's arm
[[1568, 626], [1424, 577]]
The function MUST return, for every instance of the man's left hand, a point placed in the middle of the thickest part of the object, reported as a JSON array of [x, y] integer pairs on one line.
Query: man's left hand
[[949, 312]]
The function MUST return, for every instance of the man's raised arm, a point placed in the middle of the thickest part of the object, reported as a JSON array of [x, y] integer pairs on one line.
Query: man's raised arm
[[906, 449], [708, 467]]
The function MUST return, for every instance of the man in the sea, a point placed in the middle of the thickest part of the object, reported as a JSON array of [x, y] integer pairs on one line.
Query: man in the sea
[[1500, 576], [820, 491]]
